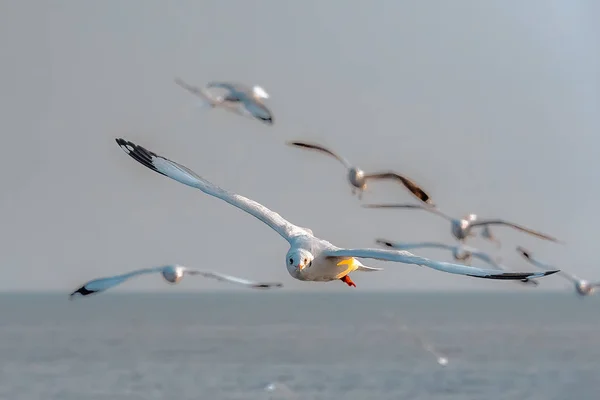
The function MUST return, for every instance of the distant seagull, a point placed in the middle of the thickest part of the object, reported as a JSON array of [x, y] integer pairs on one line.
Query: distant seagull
[[240, 99], [309, 258], [171, 273], [459, 252], [358, 179], [461, 228], [582, 286]]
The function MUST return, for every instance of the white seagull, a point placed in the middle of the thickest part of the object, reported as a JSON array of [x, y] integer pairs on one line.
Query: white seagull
[[460, 253], [582, 287], [358, 178], [309, 258], [171, 273], [240, 99], [461, 228]]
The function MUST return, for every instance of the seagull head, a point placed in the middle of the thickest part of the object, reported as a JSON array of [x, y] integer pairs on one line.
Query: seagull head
[[172, 273], [298, 259], [259, 92]]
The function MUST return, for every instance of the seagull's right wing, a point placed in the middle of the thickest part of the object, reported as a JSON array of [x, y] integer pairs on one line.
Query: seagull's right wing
[[312, 146], [409, 246], [233, 279], [409, 258], [101, 284], [188, 177], [196, 91], [429, 208], [526, 254], [408, 183]]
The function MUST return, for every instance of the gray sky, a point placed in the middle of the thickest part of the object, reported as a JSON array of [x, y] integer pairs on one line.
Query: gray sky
[[512, 86]]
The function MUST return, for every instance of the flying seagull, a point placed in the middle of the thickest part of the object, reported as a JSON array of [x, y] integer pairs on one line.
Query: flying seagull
[[309, 258], [460, 253], [358, 178], [171, 273], [243, 100], [461, 228], [582, 287]]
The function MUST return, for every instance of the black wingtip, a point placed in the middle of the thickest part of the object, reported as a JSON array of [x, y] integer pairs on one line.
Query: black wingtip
[[82, 291], [138, 153], [546, 273], [384, 242], [267, 120], [524, 252]]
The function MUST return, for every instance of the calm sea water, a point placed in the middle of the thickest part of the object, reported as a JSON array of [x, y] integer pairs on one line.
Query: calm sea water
[[334, 346]]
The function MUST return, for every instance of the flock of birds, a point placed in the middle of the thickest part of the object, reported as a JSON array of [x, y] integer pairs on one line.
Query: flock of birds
[[309, 257]]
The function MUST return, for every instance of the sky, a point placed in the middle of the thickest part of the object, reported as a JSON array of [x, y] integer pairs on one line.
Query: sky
[[491, 106]]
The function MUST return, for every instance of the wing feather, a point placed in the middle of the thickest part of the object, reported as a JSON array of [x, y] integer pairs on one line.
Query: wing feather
[[409, 258], [188, 177]]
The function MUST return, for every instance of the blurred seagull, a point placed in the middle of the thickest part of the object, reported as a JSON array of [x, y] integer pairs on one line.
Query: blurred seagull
[[171, 273], [308, 258], [582, 287], [460, 253], [240, 99], [358, 179], [461, 228]]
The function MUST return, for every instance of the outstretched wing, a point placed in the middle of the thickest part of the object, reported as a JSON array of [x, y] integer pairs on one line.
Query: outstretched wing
[[429, 208], [233, 88], [312, 146], [196, 91], [233, 279], [409, 258], [101, 284], [526, 254], [515, 226], [188, 177], [409, 246], [408, 183]]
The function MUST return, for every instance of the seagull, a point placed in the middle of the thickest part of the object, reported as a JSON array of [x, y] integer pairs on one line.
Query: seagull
[[309, 258], [358, 179], [240, 99], [459, 252], [461, 228], [171, 273], [582, 287]]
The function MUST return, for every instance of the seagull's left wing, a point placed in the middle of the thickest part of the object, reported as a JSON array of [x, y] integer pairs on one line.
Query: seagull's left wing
[[408, 183], [514, 226], [409, 258], [233, 279], [101, 284], [188, 177]]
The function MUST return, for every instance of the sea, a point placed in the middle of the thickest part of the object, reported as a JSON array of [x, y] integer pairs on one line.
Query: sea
[[291, 345]]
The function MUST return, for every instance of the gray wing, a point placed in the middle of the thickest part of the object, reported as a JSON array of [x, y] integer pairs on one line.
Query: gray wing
[[312, 146], [409, 258], [526, 254], [236, 89], [406, 182], [416, 245], [102, 284], [233, 279], [196, 91], [515, 226], [188, 177], [428, 208], [258, 110]]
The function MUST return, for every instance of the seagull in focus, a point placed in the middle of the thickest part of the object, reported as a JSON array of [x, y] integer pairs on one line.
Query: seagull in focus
[[461, 228], [241, 99], [309, 258], [171, 273], [582, 287], [358, 178], [460, 253]]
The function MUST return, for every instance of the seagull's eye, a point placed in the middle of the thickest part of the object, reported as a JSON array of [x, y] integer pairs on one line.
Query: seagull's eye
[[305, 261], [291, 260]]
